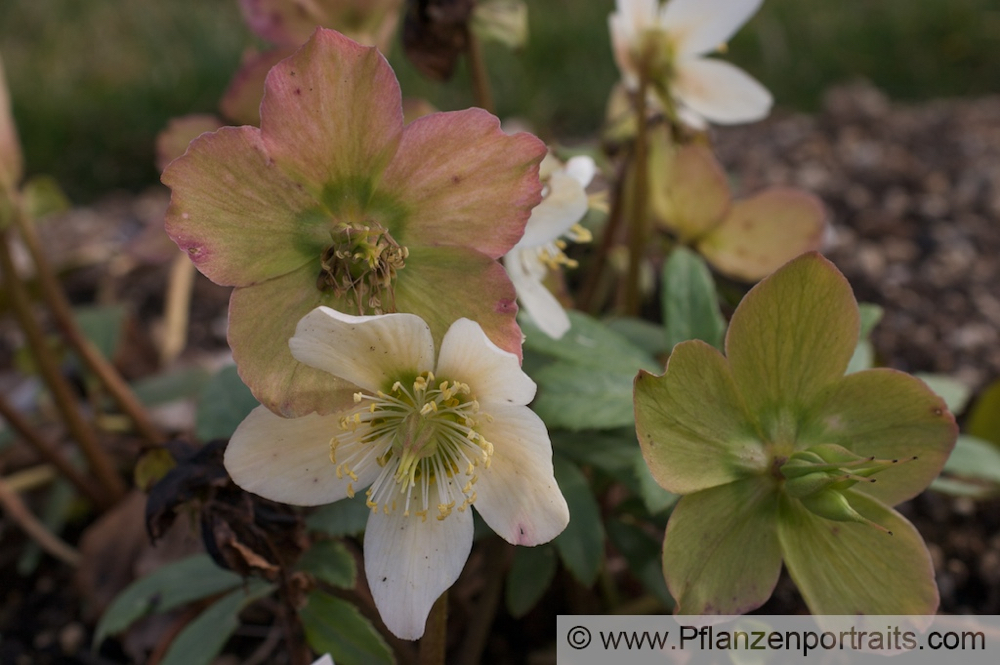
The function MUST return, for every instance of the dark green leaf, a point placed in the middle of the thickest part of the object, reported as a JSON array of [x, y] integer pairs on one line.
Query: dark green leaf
[[346, 517], [336, 627], [224, 403], [690, 304], [642, 552], [647, 336], [581, 544], [202, 639], [577, 397], [589, 343], [530, 576], [168, 587], [102, 325], [187, 382], [330, 561]]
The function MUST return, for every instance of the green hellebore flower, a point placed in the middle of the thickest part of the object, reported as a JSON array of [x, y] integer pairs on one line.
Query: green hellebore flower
[[333, 202], [781, 457]]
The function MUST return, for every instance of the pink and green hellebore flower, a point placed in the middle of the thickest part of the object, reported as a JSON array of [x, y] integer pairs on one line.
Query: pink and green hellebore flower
[[428, 437], [781, 457], [334, 202]]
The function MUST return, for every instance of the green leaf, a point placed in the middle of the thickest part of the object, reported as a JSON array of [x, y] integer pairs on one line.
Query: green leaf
[[167, 587], [642, 552], [330, 561], [224, 403], [954, 393], [972, 469], [576, 397], [870, 314], [720, 552], [852, 568], [202, 639], [589, 343], [58, 504], [581, 544], [656, 498], [186, 382], [612, 452], [643, 334], [41, 196], [690, 305], [102, 325], [984, 419], [347, 517], [336, 627], [530, 575], [864, 352]]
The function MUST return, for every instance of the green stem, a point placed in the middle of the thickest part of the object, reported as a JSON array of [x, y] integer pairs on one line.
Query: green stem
[[480, 75], [85, 349], [100, 462], [434, 643], [639, 221], [589, 301]]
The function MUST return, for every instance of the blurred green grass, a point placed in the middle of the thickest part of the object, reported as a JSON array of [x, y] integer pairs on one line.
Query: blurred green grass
[[92, 82]]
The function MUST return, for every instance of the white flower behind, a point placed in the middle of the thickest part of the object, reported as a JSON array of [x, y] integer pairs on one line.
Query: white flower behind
[[428, 439], [541, 248], [673, 40]]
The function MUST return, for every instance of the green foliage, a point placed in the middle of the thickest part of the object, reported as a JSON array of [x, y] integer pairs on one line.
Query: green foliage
[[336, 627], [346, 517], [973, 469], [102, 325], [581, 545], [690, 305], [984, 419], [170, 586], [186, 382], [864, 352], [330, 561], [530, 575], [202, 639], [642, 552], [225, 401]]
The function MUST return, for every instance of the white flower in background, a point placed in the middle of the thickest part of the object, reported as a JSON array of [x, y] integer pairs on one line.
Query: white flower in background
[[541, 248], [673, 40], [428, 439], [325, 659]]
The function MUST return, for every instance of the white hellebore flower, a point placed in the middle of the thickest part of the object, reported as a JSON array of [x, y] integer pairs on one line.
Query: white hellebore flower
[[428, 439], [673, 40], [540, 248]]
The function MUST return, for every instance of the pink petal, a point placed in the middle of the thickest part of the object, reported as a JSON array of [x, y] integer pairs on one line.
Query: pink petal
[[332, 118], [464, 182], [229, 201], [518, 494]]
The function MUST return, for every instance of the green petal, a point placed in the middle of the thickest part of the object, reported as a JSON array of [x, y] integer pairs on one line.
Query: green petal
[[762, 233], [689, 190], [721, 552], [444, 284], [464, 182], [332, 117], [262, 318], [790, 338], [239, 218], [692, 424], [11, 164], [851, 569], [890, 415]]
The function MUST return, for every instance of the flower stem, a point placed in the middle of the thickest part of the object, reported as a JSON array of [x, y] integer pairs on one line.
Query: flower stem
[[639, 221], [495, 565], [100, 462], [480, 75], [88, 353], [14, 507], [434, 643], [589, 301]]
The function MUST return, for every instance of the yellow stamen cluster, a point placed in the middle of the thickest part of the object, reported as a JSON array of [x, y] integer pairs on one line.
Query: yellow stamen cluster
[[422, 436], [361, 264]]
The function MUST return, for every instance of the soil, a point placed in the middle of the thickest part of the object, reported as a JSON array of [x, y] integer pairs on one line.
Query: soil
[[913, 193]]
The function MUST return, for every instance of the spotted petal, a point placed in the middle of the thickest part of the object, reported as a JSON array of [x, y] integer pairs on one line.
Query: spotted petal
[[464, 182], [288, 459], [331, 118], [720, 92], [845, 568], [494, 375], [518, 494], [369, 351], [700, 26], [409, 562]]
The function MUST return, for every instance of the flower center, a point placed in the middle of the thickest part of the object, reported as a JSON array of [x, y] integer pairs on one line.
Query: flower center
[[422, 436], [360, 266]]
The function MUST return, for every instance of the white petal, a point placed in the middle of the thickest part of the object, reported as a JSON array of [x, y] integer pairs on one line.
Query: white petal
[[325, 659], [518, 494], [582, 169], [526, 272], [410, 562], [690, 118], [288, 459], [622, 42], [564, 206], [637, 15], [468, 355], [701, 26], [369, 351], [720, 92]]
